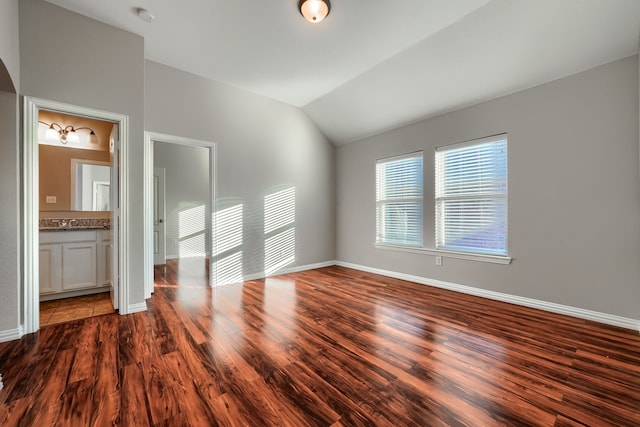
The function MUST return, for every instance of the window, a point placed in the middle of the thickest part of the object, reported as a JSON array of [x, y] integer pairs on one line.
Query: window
[[471, 196], [399, 200]]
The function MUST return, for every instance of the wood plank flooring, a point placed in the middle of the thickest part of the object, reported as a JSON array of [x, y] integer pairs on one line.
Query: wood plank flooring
[[327, 347]]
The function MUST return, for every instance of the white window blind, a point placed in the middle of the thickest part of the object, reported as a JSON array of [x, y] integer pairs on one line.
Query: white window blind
[[471, 196], [399, 200]]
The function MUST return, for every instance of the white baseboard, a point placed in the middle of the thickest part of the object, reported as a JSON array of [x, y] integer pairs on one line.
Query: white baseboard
[[135, 308], [299, 268], [498, 296], [194, 255], [287, 270], [11, 334], [71, 294], [254, 276], [294, 269]]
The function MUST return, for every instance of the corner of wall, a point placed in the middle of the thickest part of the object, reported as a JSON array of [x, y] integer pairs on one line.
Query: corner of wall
[[9, 46]]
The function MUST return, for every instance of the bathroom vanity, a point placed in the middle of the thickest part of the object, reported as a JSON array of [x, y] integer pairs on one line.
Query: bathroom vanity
[[75, 258]]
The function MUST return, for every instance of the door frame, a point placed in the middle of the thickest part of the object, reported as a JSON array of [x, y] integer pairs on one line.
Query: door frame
[[149, 139], [31, 202], [162, 214]]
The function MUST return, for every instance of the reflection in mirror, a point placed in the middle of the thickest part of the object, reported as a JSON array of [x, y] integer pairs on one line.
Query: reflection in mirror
[[90, 185], [57, 193]]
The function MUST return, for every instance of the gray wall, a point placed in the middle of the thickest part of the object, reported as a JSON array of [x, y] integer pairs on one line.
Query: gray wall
[[9, 46], [105, 72], [9, 212], [9, 166], [262, 146], [186, 189], [574, 208]]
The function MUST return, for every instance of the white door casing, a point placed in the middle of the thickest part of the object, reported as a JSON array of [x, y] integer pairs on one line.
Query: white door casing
[[114, 276], [30, 166], [159, 217], [149, 139]]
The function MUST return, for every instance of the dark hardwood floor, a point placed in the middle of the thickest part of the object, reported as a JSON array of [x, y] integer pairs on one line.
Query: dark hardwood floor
[[327, 347]]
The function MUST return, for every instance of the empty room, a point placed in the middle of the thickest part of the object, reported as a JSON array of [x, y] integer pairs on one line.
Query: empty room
[[320, 213]]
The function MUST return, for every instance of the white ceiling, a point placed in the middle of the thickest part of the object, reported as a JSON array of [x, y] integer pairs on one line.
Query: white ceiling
[[373, 65]]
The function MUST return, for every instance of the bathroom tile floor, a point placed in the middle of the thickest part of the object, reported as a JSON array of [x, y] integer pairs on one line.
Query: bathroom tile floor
[[64, 310]]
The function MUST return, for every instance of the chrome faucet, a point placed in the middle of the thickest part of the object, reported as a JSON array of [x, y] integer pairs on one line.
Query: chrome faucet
[[64, 223]]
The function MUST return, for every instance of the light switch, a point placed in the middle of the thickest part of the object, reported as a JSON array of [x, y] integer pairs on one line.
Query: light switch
[[51, 199]]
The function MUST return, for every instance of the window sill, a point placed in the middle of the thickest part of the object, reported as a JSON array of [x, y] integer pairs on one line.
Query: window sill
[[494, 259]]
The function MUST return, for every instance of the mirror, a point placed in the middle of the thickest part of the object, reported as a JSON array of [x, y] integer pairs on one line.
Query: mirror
[[61, 161], [90, 185]]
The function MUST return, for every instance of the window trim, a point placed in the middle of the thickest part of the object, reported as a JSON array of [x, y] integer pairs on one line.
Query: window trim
[[470, 256]]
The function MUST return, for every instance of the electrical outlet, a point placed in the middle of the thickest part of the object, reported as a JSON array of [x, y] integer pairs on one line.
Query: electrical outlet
[[50, 199], [176, 243], [438, 260]]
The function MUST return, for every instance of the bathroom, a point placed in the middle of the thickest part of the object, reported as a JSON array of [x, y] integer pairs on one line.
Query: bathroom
[[75, 217]]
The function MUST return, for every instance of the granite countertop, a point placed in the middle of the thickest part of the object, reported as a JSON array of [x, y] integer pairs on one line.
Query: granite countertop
[[66, 224], [73, 228]]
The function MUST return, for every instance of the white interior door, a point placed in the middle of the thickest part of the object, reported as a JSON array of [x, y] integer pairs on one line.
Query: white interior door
[[159, 224], [114, 203]]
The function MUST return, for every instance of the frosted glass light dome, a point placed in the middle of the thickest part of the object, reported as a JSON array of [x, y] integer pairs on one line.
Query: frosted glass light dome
[[314, 11]]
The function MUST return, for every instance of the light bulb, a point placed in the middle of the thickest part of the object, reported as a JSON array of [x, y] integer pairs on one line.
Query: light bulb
[[73, 137], [93, 138], [52, 135]]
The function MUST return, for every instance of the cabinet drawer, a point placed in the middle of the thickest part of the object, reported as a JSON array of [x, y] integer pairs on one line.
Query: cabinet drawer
[[67, 236]]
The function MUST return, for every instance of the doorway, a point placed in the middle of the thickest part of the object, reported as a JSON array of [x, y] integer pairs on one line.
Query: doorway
[[117, 243], [77, 205], [185, 230]]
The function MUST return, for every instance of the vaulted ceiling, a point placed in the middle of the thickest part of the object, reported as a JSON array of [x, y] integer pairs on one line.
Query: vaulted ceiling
[[373, 65]]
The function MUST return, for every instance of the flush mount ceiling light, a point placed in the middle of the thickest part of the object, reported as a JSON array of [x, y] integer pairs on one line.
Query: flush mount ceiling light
[[314, 11], [68, 133]]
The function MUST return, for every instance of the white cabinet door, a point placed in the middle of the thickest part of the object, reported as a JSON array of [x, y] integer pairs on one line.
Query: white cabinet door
[[104, 262], [50, 268], [79, 265]]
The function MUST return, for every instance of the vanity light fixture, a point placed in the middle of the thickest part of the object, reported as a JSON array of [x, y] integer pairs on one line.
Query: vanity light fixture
[[314, 11], [68, 133]]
